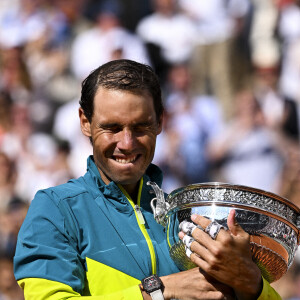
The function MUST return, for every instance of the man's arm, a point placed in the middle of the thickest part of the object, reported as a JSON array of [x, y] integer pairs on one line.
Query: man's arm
[[194, 285], [47, 262]]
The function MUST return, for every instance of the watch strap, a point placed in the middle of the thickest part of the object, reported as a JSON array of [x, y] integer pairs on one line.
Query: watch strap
[[157, 295]]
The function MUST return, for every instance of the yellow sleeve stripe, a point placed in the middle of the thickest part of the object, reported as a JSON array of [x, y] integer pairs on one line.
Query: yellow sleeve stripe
[[43, 289], [40, 289]]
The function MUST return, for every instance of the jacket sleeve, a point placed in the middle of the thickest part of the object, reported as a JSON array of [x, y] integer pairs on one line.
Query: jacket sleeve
[[268, 293], [47, 263]]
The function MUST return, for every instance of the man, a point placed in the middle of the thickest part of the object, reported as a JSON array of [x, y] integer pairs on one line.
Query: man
[[96, 237]]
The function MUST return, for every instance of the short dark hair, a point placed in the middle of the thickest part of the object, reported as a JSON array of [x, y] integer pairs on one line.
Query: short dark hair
[[122, 74]]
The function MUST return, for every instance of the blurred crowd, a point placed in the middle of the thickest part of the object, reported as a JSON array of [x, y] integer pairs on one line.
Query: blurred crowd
[[230, 74]]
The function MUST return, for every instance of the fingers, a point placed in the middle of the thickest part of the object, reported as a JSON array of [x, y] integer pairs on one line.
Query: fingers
[[200, 220], [211, 228], [233, 225], [228, 258], [234, 228], [197, 239], [201, 237]]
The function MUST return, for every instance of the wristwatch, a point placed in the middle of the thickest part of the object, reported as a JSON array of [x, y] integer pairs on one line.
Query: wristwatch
[[153, 286]]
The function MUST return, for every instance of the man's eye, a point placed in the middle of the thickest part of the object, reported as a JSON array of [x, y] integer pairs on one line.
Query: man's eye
[[115, 129], [142, 128], [139, 128]]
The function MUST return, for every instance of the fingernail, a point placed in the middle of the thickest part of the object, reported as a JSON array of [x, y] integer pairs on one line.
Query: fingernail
[[193, 217]]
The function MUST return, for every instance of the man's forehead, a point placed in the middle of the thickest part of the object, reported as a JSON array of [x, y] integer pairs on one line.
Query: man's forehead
[[133, 91]]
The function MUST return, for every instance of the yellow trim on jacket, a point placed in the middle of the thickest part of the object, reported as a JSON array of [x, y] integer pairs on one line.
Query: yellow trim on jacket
[[142, 226], [44, 289]]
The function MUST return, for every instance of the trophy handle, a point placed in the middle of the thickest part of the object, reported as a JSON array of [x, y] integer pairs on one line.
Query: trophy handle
[[158, 204]]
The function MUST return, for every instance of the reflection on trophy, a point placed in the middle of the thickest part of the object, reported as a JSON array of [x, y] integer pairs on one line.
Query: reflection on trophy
[[272, 222]]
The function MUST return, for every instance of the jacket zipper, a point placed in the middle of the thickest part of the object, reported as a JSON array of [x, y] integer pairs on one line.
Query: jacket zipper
[[141, 222], [139, 214]]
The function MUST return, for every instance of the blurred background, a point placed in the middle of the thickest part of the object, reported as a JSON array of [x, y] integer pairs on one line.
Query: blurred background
[[230, 73]]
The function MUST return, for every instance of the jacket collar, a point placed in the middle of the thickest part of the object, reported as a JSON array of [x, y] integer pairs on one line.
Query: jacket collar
[[153, 173]]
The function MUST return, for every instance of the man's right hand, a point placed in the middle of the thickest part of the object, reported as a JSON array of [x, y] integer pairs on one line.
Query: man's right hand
[[194, 285]]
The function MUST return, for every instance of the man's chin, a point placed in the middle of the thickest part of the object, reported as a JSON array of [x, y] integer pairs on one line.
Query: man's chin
[[128, 180]]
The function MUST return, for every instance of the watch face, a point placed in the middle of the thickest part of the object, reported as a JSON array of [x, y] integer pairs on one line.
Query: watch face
[[152, 283]]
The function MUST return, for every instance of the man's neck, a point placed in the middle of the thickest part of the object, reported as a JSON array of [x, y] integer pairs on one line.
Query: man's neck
[[132, 190]]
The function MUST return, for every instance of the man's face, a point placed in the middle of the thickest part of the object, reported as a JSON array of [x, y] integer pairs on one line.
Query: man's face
[[123, 130]]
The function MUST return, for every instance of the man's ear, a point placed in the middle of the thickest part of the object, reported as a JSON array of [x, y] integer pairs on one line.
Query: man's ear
[[160, 124], [84, 123]]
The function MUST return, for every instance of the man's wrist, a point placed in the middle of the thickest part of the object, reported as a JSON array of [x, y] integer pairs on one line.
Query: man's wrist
[[251, 296], [153, 286]]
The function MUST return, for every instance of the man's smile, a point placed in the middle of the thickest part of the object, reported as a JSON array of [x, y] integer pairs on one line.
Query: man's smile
[[126, 160]]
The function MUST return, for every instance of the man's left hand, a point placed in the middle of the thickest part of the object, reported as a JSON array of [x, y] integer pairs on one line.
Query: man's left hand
[[227, 258]]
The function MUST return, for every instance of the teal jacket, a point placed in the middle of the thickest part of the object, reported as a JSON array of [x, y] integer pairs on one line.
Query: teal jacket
[[88, 238], [85, 239]]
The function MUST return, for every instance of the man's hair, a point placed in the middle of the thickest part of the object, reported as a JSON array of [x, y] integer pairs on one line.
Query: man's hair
[[121, 74]]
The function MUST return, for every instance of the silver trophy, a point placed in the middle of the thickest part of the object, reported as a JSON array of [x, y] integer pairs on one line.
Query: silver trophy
[[272, 222]]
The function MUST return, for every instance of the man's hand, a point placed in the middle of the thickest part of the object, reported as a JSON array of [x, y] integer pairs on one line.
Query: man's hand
[[194, 285], [227, 258]]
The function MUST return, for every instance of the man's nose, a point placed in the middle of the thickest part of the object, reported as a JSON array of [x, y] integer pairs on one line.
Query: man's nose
[[126, 140]]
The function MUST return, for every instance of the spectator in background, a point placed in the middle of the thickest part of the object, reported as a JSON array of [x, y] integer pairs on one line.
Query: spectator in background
[[12, 208], [10, 224], [289, 34], [218, 24], [190, 122], [9, 289], [21, 23], [66, 117], [7, 180], [74, 12], [5, 115], [34, 153], [15, 140], [132, 11], [264, 24], [290, 181], [106, 40], [15, 80], [247, 152], [168, 34], [280, 112]]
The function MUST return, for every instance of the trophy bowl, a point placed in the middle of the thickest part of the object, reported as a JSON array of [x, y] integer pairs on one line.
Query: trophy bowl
[[271, 221]]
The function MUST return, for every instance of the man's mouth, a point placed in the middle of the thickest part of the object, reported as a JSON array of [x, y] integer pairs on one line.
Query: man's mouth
[[126, 160]]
